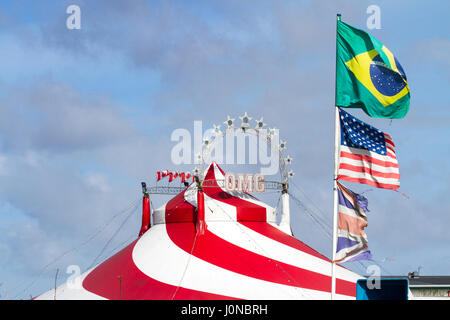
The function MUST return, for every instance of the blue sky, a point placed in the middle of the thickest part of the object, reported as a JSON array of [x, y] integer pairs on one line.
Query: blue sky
[[87, 114]]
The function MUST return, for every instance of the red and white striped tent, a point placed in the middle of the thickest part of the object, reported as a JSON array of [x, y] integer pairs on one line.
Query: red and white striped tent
[[238, 253]]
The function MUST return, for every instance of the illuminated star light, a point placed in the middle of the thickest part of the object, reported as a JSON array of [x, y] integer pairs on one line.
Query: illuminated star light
[[229, 122], [291, 174], [260, 123], [282, 145], [245, 120], [288, 160]]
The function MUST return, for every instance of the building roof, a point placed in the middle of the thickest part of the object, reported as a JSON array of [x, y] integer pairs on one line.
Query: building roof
[[418, 280]]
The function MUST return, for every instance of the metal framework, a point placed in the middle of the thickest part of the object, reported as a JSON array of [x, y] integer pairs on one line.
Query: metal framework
[[209, 144], [269, 185]]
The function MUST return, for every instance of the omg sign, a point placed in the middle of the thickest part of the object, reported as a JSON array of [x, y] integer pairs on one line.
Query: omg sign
[[247, 183]]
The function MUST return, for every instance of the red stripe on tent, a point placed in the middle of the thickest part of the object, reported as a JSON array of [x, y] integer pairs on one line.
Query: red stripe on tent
[[246, 211], [242, 206], [262, 228], [183, 211], [232, 257], [273, 233], [134, 284], [342, 286], [223, 254]]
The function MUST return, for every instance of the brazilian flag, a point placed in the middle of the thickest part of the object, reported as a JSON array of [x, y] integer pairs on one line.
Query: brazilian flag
[[368, 76]]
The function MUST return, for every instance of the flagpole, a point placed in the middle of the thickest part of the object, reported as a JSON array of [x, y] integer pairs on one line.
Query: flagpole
[[335, 203], [335, 190]]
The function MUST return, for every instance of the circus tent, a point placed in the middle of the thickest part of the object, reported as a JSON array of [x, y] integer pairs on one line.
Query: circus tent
[[211, 243]]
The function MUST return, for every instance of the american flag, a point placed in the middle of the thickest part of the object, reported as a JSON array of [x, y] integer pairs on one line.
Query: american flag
[[367, 154]]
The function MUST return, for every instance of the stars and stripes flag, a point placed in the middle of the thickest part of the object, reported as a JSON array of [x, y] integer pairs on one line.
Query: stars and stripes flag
[[352, 241], [367, 155]]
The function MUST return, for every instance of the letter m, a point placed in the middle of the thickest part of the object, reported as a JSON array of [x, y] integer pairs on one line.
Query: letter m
[[245, 184]]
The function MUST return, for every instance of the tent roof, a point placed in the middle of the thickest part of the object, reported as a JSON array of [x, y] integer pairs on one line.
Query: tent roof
[[242, 255]]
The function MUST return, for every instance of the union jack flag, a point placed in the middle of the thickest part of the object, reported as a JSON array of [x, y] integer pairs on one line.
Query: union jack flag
[[352, 241]]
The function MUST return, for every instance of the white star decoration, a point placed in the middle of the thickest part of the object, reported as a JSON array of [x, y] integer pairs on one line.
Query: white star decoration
[[216, 128], [230, 122], [245, 120], [259, 130], [282, 145], [260, 123], [288, 160]]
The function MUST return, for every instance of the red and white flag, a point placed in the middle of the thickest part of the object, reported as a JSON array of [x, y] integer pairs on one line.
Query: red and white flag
[[367, 155]]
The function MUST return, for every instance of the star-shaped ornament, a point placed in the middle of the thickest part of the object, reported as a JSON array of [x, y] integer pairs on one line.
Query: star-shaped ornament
[[216, 129], [282, 145], [245, 120], [230, 122], [288, 160], [260, 123], [290, 174]]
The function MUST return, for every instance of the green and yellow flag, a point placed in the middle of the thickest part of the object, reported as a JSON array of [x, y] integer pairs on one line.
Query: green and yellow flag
[[368, 76]]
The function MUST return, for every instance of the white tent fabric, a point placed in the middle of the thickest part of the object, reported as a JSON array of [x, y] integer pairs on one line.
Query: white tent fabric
[[241, 255]]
